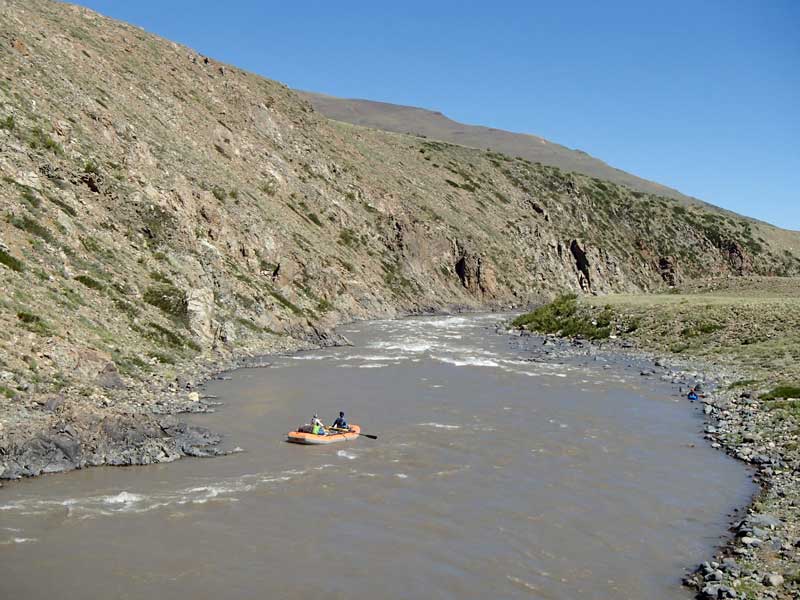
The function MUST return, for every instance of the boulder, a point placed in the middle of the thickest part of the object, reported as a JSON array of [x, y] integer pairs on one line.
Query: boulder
[[200, 311], [109, 378]]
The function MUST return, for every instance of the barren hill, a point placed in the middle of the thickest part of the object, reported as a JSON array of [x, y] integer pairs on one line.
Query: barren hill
[[164, 214], [435, 125]]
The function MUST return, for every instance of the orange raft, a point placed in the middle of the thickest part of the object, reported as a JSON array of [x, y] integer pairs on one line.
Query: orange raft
[[301, 437]]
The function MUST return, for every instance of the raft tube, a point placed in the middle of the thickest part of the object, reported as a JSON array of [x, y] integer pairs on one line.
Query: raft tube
[[301, 437]]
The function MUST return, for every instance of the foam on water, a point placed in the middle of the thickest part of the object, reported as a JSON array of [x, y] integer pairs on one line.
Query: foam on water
[[122, 498], [130, 502], [347, 455], [18, 540], [376, 357], [410, 346], [467, 361], [440, 426]]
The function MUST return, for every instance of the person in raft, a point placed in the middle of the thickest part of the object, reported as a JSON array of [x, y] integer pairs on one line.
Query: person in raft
[[317, 428], [692, 395], [340, 423]]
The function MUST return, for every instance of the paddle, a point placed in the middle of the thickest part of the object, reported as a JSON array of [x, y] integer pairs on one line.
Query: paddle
[[366, 435]]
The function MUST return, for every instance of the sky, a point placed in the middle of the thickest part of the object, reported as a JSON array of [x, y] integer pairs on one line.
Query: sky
[[703, 96]]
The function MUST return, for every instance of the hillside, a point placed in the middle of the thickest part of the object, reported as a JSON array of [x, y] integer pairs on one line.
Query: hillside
[[435, 125], [165, 214]]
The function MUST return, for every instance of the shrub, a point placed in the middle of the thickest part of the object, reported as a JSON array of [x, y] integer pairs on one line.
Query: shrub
[[269, 186], [33, 323], [63, 206], [315, 219], [7, 392], [547, 318], [219, 193], [165, 359], [561, 317], [169, 299], [32, 226], [29, 196], [91, 167], [161, 334], [286, 302], [7, 123], [90, 282], [9, 261], [348, 237], [126, 307], [700, 329], [743, 383], [41, 140]]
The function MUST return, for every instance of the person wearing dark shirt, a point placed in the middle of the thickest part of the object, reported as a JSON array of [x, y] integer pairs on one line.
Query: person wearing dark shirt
[[340, 422]]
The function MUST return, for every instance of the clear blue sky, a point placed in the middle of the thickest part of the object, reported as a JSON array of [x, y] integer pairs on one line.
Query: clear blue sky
[[703, 96]]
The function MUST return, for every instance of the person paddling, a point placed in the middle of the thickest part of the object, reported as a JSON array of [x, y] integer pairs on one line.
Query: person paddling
[[317, 427], [340, 422]]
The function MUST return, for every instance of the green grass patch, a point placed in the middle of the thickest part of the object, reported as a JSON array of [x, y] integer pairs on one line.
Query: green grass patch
[[161, 334], [248, 324], [219, 193], [38, 140], [170, 299], [30, 198], [9, 261], [90, 282], [127, 307], [284, 301], [269, 187], [742, 383], [7, 392], [782, 391], [62, 205], [700, 329], [32, 226], [561, 317], [33, 323], [8, 123], [348, 237], [163, 358]]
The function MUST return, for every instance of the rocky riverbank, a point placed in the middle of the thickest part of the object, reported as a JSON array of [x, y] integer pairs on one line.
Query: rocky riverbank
[[762, 557], [142, 427]]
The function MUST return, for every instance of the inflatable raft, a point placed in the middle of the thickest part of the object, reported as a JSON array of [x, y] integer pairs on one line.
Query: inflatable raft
[[301, 437]]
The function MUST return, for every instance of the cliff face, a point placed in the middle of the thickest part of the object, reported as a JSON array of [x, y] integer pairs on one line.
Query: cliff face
[[162, 212]]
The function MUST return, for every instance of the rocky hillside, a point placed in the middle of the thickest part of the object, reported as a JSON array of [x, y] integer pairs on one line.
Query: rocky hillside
[[163, 213], [435, 125]]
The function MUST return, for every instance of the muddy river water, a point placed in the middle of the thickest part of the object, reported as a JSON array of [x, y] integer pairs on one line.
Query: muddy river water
[[493, 477]]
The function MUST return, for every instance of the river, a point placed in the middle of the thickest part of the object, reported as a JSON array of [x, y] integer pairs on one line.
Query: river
[[492, 476]]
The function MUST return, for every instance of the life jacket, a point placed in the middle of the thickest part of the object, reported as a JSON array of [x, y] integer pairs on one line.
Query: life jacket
[[316, 429]]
